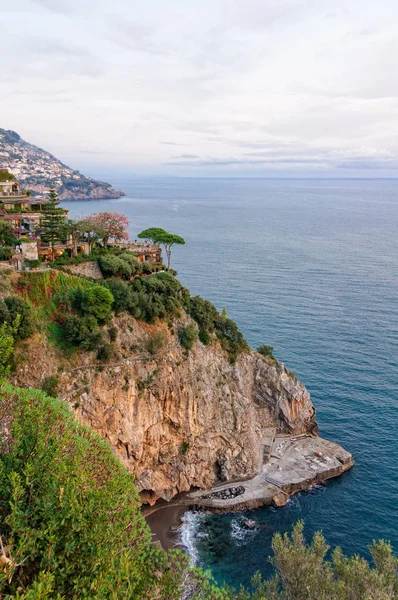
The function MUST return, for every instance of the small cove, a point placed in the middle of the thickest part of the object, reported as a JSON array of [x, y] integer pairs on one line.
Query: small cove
[[310, 267]]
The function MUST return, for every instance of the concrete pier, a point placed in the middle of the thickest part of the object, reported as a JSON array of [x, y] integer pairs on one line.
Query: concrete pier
[[291, 464]]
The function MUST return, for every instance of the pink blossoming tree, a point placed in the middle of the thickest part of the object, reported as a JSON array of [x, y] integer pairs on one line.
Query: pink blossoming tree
[[113, 226]]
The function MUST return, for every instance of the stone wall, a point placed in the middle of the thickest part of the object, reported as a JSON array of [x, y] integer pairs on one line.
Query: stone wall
[[29, 250], [89, 269]]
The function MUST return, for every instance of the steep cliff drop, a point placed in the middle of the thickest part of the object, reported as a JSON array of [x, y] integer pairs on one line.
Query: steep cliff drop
[[190, 421]]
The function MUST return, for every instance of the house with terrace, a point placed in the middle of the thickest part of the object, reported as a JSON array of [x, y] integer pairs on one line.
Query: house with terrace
[[27, 216]]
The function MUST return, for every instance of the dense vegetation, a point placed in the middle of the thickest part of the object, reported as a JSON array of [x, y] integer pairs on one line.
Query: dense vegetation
[[16, 323], [266, 351], [6, 176], [18, 315], [211, 322], [125, 265], [69, 513], [73, 309], [7, 239], [70, 527]]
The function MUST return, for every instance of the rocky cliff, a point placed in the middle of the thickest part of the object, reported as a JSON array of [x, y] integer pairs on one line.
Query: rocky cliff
[[177, 420]]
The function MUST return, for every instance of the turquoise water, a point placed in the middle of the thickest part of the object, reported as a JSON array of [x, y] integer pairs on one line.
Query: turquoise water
[[310, 267]]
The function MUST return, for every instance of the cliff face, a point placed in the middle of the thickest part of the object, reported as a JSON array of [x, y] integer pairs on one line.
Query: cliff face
[[176, 420]]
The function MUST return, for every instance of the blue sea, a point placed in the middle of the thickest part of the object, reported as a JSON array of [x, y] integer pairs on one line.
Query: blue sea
[[311, 268]]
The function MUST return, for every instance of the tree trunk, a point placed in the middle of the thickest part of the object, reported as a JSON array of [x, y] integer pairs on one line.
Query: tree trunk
[[168, 254]]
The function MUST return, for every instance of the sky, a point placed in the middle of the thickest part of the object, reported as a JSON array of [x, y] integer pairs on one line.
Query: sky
[[261, 88]]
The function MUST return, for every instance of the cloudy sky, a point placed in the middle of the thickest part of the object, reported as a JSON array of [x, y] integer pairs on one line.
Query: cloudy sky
[[205, 87]]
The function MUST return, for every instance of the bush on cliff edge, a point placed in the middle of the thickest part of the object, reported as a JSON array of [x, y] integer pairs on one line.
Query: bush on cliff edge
[[69, 513]]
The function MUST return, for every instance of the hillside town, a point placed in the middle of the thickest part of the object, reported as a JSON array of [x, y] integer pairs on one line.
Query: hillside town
[[40, 170], [25, 166]]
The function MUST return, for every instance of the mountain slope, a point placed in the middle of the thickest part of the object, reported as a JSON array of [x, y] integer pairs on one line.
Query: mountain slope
[[38, 170]]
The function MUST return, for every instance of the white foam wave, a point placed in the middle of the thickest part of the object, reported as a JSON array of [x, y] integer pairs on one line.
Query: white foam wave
[[190, 533], [241, 533]]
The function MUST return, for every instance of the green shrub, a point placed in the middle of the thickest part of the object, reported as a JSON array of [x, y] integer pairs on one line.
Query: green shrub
[[32, 264], [6, 349], [6, 252], [188, 336], [112, 332], [12, 306], [96, 300], [156, 343], [93, 341], [4, 314], [70, 513], [135, 265], [105, 351], [74, 329], [124, 298], [210, 321], [125, 265], [50, 385], [204, 313], [231, 338], [266, 351], [90, 322], [109, 264], [184, 447], [149, 268], [204, 337], [158, 296]]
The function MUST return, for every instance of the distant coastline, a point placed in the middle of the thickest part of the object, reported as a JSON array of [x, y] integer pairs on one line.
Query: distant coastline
[[38, 171]]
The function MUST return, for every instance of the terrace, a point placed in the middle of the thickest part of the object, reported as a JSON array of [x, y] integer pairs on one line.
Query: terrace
[[145, 252]]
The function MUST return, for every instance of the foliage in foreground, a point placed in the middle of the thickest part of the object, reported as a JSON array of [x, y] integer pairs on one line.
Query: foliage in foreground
[[71, 527], [304, 572], [69, 514]]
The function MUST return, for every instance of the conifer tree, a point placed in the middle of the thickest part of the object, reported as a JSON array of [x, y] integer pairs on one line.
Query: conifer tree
[[53, 222]]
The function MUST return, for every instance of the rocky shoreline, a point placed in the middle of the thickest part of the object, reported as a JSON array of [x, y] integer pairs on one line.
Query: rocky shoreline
[[291, 464]]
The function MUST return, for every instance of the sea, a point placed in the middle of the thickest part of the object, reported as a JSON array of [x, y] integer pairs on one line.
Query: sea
[[309, 267]]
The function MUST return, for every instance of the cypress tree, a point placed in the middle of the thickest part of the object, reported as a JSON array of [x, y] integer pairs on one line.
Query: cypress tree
[[53, 222]]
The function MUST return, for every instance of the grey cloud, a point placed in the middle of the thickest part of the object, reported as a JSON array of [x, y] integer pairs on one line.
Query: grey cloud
[[172, 144], [216, 162], [272, 84], [325, 158], [368, 164], [55, 59], [186, 156]]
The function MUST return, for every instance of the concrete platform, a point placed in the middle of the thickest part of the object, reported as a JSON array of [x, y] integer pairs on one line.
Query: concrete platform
[[295, 464]]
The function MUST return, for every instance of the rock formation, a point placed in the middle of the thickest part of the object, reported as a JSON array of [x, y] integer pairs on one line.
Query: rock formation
[[177, 420]]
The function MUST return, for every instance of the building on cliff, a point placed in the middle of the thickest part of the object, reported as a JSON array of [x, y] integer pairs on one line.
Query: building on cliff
[[25, 213], [11, 194]]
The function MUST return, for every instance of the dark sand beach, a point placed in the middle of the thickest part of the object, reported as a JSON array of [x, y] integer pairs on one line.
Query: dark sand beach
[[164, 523]]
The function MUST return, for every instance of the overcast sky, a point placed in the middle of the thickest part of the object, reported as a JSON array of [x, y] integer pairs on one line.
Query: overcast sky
[[205, 87]]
